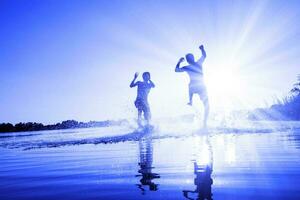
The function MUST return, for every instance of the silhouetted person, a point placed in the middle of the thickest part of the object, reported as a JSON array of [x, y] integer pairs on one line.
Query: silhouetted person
[[141, 102], [146, 159], [196, 85], [203, 182]]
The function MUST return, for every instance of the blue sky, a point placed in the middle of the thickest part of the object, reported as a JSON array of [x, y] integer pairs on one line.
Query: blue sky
[[75, 59]]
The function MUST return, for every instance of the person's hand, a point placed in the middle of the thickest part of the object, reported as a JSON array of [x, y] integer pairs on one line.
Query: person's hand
[[201, 47], [181, 59], [136, 75]]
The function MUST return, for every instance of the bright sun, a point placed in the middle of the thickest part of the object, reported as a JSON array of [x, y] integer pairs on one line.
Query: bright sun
[[223, 83], [225, 86]]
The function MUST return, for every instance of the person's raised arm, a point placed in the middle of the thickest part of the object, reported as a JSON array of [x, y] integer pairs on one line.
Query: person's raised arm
[[133, 83], [177, 68], [151, 83], [201, 60]]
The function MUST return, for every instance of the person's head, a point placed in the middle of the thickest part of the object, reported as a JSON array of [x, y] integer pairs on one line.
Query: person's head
[[146, 76], [190, 58]]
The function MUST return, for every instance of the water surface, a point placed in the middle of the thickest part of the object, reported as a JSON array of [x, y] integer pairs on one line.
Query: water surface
[[257, 162]]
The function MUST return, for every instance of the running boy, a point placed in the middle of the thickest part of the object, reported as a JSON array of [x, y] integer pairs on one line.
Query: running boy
[[141, 102]]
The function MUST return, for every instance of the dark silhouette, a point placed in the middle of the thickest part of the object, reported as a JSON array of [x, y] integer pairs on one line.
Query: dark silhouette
[[146, 159], [6, 127], [286, 109], [203, 180], [196, 85], [68, 124], [141, 102]]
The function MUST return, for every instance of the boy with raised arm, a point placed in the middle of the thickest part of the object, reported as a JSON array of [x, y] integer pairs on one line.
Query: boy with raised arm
[[196, 85], [141, 102]]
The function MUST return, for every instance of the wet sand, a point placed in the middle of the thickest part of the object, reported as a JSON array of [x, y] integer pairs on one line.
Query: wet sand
[[102, 164]]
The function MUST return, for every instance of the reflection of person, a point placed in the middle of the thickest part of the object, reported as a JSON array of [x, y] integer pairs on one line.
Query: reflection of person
[[146, 159], [203, 180], [141, 102], [196, 85]]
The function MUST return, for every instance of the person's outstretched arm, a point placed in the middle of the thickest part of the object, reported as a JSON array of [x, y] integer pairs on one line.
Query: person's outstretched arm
[[133, 83], [178, 69], [151, 83], [201, 60]]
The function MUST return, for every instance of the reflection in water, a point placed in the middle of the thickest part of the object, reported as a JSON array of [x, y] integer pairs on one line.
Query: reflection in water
[[203, 170], [146, 159], [230, 151]]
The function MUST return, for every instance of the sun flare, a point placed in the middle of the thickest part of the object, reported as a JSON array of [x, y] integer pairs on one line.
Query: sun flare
[[225, 83]]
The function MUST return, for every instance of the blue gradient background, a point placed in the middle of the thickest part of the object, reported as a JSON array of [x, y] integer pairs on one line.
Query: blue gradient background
[[75, 59]]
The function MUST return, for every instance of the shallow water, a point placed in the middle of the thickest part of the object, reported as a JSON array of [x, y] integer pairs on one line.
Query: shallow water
[[260, 161]]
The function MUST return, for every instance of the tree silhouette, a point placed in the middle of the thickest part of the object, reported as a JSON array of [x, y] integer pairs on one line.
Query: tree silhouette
[[296, 89], [68, 124], [288, 108]]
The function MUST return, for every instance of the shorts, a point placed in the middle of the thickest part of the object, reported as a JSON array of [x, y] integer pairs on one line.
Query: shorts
[[200, 89], [142, 105]]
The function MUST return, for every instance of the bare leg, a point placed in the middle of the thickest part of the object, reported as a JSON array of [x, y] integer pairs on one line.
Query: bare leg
[[190, 103], [139, 117], [206, 112], [147, 115]]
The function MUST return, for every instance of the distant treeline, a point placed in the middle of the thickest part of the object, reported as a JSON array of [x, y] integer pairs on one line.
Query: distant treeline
[[68, 124], [286, 109]]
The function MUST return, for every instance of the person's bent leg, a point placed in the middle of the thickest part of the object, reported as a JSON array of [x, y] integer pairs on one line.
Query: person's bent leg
[[191, 93]]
